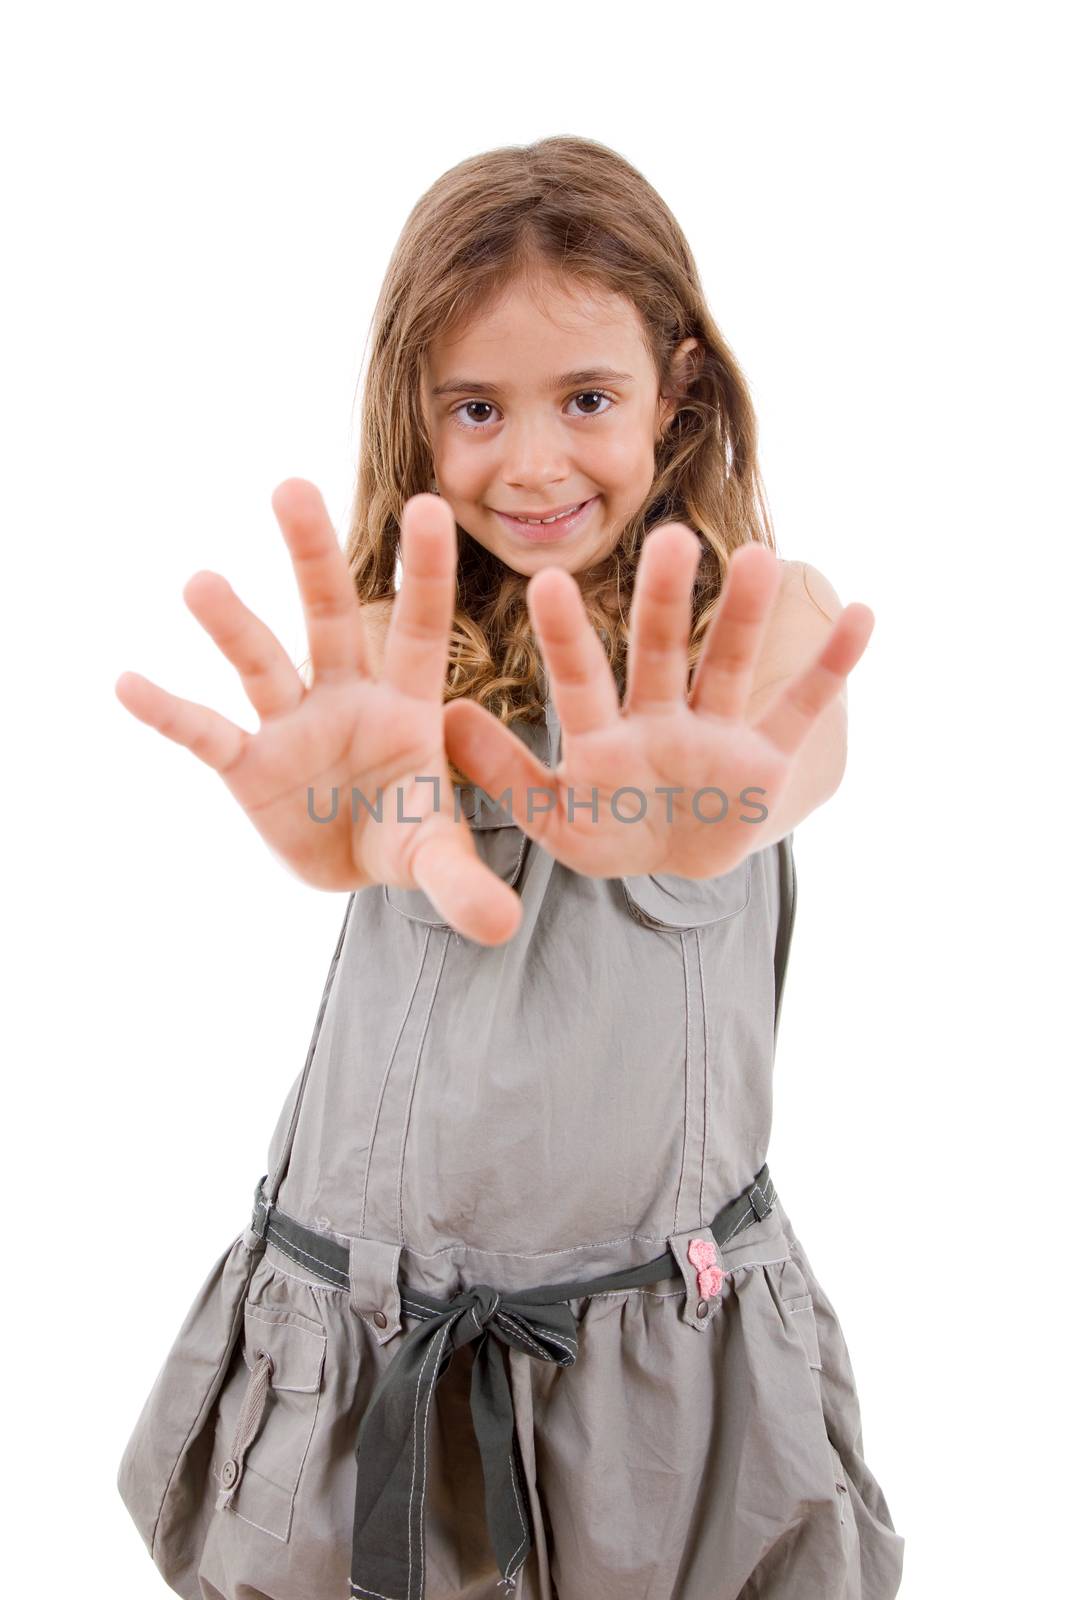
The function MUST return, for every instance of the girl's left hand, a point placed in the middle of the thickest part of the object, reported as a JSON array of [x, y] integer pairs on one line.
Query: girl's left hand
[[662, 736]]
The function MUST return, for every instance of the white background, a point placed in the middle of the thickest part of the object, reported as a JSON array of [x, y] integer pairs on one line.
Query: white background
[[201, 201]]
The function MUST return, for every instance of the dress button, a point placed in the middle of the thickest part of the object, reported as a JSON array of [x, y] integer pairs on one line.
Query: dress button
[[228, 1475], [702, 1308], [381, 1319]]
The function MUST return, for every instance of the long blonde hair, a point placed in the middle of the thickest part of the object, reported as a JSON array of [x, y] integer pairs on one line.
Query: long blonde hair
[[576, 207]]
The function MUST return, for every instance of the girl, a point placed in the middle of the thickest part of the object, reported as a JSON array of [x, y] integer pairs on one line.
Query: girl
[[518, 1305]]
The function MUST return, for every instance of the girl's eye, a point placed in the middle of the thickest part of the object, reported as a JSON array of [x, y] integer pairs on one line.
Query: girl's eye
[[596, 394], [474, 425], [467, 406]]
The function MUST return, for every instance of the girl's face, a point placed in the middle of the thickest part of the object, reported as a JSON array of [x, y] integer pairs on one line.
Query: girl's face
[[543, 404]]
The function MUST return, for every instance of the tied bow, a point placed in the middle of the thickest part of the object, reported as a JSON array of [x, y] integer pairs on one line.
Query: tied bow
[[388, 1554]]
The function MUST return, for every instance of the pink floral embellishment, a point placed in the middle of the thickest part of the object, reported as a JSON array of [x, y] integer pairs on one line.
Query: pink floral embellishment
[[709, 1273]]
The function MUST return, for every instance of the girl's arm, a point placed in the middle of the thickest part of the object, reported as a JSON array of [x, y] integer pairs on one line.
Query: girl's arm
[[803, 615]]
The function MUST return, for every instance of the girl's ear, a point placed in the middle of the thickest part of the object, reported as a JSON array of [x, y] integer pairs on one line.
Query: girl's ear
[[683, 370], [682, 374]]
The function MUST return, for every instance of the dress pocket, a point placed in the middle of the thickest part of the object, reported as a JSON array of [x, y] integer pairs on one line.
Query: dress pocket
[[500, 843], [663, 900], [267, 1415], [801, 1313], [163, 1477]]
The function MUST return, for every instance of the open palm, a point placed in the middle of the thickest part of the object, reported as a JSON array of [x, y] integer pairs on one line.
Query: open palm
[[726, 773], [348, 730]]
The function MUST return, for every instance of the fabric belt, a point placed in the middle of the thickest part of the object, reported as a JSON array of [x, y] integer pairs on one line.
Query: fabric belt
[[388, 1553]]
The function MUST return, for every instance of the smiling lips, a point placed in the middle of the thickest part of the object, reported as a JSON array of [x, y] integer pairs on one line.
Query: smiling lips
[[545, 516], [551, 526]]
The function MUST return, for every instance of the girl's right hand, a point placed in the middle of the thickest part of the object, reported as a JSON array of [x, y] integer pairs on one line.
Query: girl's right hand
[[349, 730]]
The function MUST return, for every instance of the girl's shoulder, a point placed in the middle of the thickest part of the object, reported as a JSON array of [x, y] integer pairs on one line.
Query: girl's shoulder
[[804, 611], [803, 586]]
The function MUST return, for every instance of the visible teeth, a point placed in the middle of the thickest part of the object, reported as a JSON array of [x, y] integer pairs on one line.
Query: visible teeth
[[538, 522]]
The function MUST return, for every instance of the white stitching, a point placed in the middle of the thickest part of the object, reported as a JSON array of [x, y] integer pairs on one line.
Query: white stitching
[[707, 1092], [622, 1294], [546, 1333], [683, 947], [550, 1333], [531, 1255], [415, 1066], [438, 1339], [520, 1332], [384, 1083], [259, 1525], [502, 1316], [742, 1219], [316, 1288], [522, 1514], [431, 1311], [394, 1287], [678, 1294], [294, 1252], [738, 1265], [380, 1334], [320, 1339], [275, 1322]]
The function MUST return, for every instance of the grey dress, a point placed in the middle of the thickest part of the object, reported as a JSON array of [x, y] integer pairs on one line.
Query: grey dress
[[571, 1104]]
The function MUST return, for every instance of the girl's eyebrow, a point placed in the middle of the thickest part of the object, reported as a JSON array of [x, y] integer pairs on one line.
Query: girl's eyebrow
[[565, 380]]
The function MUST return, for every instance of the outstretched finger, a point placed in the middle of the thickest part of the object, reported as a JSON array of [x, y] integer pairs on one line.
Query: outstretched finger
[[580, 677], [662, 620], [270, 680], [336, 640], [211, 737], [503, 768], [722, 680], [792, 715], [465, 889], [416, 644]]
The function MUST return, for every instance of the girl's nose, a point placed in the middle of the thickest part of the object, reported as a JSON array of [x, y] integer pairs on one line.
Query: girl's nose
[[535, 455]]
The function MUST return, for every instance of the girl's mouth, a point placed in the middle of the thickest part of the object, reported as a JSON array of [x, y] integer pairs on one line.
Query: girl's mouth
[[548, 532]]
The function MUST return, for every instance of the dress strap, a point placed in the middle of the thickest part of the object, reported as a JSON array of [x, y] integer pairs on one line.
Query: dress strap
[[787, 910]]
